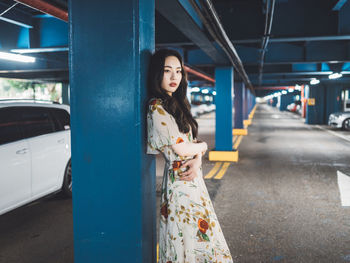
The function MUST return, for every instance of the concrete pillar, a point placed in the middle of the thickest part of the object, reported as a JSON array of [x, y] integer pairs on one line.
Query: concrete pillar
[[65, 93], [245, 103], [274, 101], [238, 105], [286, 99], [113, 179], [224, 98], [315, 109]]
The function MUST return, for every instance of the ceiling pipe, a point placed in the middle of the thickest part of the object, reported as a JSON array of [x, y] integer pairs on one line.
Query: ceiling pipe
[[266, 36], [199, 74], [212, 23], [46, 8]]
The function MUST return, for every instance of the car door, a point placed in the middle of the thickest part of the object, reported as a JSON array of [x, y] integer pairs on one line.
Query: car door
[[15, 170], [47, 148]]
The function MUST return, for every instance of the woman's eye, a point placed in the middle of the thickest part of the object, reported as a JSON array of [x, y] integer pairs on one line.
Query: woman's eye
[[166, 70], [179, 71]]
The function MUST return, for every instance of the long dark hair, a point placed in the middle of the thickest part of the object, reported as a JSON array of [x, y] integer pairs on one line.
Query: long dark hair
[[177, 105]]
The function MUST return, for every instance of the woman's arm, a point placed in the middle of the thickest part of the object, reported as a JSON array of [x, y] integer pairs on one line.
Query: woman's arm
[[189, 148]]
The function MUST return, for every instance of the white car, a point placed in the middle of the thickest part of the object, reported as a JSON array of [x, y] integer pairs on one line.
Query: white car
[[340, 120], [35, 151]]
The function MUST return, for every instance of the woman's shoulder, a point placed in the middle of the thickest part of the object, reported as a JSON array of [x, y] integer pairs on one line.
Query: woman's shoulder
[[155, 101]]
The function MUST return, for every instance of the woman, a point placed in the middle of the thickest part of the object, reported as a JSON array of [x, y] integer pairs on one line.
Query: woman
[[189, 230]]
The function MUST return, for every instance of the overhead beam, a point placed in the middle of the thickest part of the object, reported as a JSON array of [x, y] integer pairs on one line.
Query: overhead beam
[[176, 14]]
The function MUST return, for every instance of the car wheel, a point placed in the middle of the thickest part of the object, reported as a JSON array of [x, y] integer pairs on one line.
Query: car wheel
[[346, 124], [67, 181]]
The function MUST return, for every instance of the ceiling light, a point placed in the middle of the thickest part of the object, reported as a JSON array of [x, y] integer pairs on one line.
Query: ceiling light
[[297, 87], [284, 92], [314, 81], [195, 89], [335, 75], [16, 57], [214, 92], [205, 91], [290, 90]]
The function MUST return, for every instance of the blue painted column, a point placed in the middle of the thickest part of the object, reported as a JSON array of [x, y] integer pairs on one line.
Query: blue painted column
[[238, 105], [245, 103], [286, 99], [65, 93], [224, 99], [315, 114], [113, 179], [274, 102]]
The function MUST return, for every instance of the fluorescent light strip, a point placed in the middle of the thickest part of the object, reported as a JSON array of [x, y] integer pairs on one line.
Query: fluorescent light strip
[[39, 50], [16, 57]]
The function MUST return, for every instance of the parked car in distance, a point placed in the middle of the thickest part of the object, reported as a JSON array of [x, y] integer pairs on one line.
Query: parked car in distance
[[340, 120], [35, 151]]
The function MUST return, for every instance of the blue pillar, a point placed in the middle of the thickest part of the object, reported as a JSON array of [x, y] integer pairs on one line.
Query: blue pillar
[[238, 104], [245, 103], [113, 179], [274, 102], [315, 113], [65, 93], [286, 99], [224, 98]]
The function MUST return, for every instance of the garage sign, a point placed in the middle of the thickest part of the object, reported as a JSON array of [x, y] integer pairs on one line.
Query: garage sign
[[311, 102]]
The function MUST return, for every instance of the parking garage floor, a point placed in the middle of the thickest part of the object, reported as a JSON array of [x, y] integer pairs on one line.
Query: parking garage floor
[[284, 201]]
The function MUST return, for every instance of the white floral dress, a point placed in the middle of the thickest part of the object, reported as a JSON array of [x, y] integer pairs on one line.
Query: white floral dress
[[189, 231]]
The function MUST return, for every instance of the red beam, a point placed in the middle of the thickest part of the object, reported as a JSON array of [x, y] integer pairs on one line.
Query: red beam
[[199, 74], [46, 8]]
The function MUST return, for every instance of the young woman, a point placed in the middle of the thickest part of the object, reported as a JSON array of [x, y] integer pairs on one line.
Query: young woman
[[189, 229]]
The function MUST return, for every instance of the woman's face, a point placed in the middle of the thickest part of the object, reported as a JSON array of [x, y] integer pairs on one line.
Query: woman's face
[[172, 74]]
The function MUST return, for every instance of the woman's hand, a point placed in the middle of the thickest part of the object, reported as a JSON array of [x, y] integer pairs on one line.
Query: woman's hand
[[193, 170]]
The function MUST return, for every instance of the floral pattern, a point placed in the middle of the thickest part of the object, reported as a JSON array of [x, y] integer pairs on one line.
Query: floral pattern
[[189, 229]]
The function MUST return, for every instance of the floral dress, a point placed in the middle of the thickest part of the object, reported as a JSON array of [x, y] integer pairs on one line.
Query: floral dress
[[189, 231]]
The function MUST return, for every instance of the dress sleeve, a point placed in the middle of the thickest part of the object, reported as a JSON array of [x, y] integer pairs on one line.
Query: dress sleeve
[[161, 129]]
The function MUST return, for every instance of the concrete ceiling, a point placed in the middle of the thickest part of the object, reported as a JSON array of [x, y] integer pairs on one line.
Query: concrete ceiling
[[308, 39]]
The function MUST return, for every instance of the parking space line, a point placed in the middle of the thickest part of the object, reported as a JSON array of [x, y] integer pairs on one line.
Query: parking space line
[[344, 188], [213, 170], [333, 133], [222, 171], [238, 141]]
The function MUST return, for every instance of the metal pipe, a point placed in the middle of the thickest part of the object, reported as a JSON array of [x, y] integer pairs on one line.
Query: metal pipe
[[293, 39], [267, 32], [46, 8], [199, 74], [8, 9], [214, 27]]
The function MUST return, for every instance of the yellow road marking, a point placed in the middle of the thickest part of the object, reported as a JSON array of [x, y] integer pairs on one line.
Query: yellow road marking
[[234, 138], [213, 170], [222, 171], [237, 142], [157, 252]]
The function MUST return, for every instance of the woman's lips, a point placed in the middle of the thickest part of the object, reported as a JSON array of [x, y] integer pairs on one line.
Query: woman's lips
[[173, 84]]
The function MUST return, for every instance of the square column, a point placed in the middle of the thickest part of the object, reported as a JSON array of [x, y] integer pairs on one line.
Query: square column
[[114, 213], [239, 128], [224, 105], [315, 109], [65, 93]]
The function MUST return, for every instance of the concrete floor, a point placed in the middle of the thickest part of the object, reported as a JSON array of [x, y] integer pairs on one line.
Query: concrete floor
[[279, 203]]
